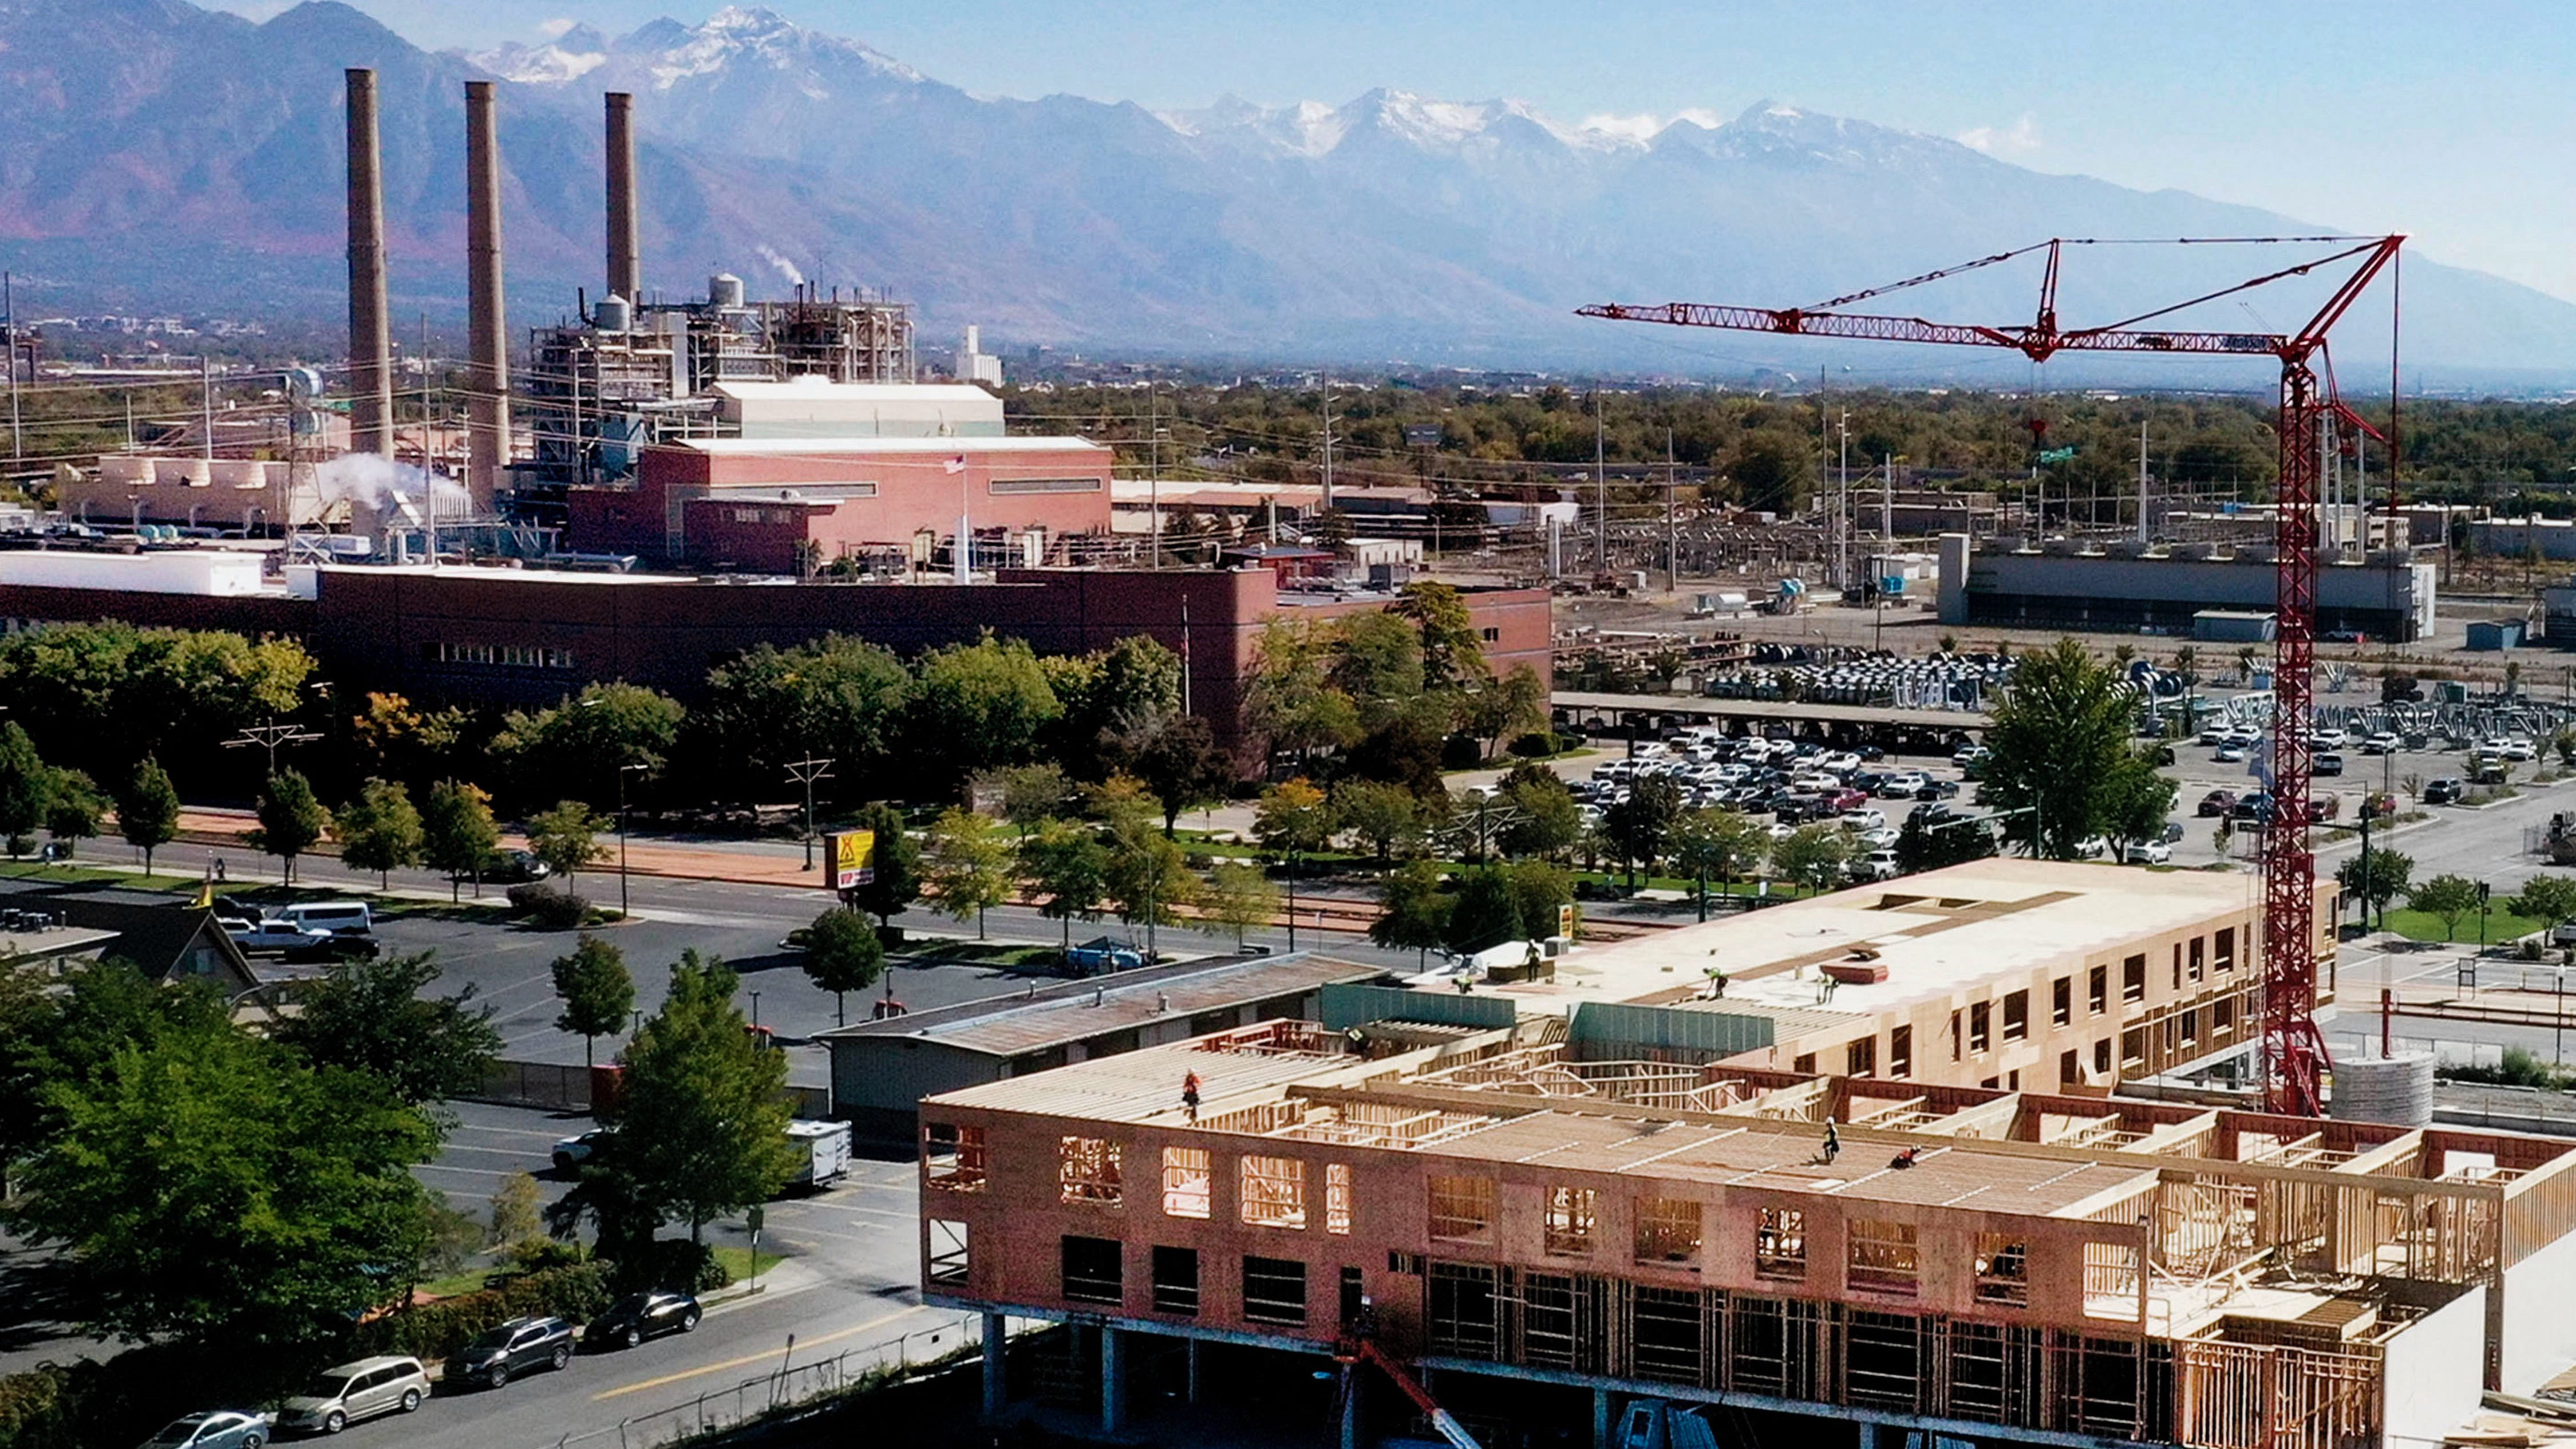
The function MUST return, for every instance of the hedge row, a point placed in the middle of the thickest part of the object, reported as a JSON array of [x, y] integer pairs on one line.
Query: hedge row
[[435, 1331]]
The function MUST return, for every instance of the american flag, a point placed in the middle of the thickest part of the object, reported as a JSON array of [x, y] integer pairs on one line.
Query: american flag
[[955, 465]]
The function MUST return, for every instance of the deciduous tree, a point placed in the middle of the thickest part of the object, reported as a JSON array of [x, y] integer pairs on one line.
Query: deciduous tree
[[2448, 897], [457, 832], [374, 1016], [843, 953], [701, 1128], [291, 820], [2389, 873], [1066, 863], [380, 830], [1417, 909], [596, 989], [896, 879], [566, 838], [1239, 897], [967, 869], [72, 813]]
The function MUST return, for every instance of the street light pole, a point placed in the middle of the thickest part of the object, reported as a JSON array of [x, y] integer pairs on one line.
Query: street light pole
[[1292, 898], [622, 772], [805, 772]]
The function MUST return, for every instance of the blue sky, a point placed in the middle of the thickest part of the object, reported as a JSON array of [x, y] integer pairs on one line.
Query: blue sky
[[2453, 122]]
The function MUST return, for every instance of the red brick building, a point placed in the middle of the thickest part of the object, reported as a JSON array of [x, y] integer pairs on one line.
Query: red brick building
[[755, 504]]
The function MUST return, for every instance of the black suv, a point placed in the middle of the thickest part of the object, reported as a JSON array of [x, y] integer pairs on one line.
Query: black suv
[[514, 1347], [2443, 792], [639, 1316]]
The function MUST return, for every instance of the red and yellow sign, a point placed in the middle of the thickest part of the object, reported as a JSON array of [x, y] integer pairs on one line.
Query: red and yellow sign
[[850, 859]]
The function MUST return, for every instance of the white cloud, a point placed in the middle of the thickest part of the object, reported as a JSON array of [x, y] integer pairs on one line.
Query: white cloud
[[554, 29], [2018, 139]]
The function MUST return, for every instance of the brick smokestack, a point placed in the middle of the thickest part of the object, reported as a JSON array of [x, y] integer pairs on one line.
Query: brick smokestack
[[371, 377], [625, 257], [487, 337]]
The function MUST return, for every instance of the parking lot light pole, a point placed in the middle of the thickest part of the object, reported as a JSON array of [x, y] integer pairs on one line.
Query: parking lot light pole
[[622, 772], [805, 772]]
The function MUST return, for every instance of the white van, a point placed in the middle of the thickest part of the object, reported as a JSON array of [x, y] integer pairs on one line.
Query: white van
[[339, 918]]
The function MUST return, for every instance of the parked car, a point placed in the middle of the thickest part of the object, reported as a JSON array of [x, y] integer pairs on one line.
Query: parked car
[[572, 1152], [639, 1316], [231, 912], [515, 1347], [1863, 819], [1102, 954], [292, 942], [2217, 802], [338, 1397], [2382, 743], [515, 867], [2092, 847], [215, 1429], [2327, 762], [2445, 791], [2150, 852], [2256, 807], [2229, 754], [339, 918]]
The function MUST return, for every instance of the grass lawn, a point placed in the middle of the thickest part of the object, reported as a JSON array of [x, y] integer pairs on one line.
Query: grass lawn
[[78, 874], [737, 1261], [467, 1280], [976, 953], [2502, 925]]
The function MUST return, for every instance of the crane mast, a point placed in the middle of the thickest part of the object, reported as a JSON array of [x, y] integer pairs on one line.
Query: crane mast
[[2294, 1051]]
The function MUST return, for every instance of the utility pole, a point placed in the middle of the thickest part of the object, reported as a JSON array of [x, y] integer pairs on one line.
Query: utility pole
[[1842, 506], [622, 772], [1328, 439], [1153, 473], [805, 772], [206, 401], [268, 737]]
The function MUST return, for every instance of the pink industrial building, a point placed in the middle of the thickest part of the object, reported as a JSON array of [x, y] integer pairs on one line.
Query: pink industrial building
[[757, 503]]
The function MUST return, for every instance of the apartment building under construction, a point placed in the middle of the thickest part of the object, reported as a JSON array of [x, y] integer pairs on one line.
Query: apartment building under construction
[[1580, 1206]]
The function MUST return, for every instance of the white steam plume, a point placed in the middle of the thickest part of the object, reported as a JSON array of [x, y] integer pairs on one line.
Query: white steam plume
[[371, 480], [785, 267]]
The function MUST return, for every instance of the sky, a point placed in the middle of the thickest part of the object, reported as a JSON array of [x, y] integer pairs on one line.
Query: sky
[[2452, 122]]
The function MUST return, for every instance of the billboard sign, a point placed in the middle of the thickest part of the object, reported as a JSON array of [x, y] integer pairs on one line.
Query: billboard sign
[[850, 859]]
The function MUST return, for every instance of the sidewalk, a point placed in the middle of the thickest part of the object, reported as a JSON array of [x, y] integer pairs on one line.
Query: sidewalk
[[749, 862]]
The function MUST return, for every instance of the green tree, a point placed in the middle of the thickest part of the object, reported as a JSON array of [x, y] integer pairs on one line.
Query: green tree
[[1240, 897], [217, 1189], [73, 809], [518, 1223], [1486, 911], [457, 832], [896, 882], [1540, 889], [1545, 820], [26, 788], [967, 869], [701, 1129], [291, 820], [596, 989], [836, 697], [1066, 863], [1148, 879], [1417, 909], [1922, 844], [981, 705], [2390, 872], [1812, 856], [1725, 844], [566, 838], [1293, 818], [1292, 701], [1034, 794], [1771, 469], [1453, 653], [2446, 897], [2136, 802], [373, 1016], [578, 749], [1507, 708], [843, 953], [2549, 899], [147, 814], [1641, 826], [380, 830], [2059, 746], [1383, 816], [1182, 764]]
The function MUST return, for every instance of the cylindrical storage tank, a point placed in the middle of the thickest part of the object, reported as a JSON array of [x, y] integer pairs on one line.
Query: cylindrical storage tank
[[2395, 1089], [724, 289], [182, 472], [612, 314]]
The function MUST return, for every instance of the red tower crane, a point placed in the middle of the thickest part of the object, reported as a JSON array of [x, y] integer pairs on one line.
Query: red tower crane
[[2294, 1053]]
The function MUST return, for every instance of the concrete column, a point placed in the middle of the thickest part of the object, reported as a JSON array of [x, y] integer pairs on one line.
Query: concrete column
[[1113, 1382], [1192, 1356], [371, 377], [1350, 1406], [997, 1390], [1868, 1434], [1600, 1419], [487, 334]]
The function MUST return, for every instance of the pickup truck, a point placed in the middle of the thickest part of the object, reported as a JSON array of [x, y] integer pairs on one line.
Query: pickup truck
[[295, 943]]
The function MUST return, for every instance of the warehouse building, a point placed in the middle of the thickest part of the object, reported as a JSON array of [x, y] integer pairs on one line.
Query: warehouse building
[[2066, 584]]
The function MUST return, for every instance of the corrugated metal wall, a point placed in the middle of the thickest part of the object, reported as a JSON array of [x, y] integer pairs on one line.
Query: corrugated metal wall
[[1608, 1029], [1345, 1007]]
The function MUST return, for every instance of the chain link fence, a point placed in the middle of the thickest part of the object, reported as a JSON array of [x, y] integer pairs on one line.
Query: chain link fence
[[790, 1386]]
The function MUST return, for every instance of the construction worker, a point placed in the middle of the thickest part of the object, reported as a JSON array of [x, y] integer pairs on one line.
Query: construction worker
[[1905, 1159], [1190, 1095], [1833, 1142]]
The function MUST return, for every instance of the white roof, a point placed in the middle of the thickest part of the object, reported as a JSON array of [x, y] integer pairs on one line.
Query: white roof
[[821, 389], [951, 447]]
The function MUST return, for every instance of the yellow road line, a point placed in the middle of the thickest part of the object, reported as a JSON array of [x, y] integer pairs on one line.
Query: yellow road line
[[752, 1358]]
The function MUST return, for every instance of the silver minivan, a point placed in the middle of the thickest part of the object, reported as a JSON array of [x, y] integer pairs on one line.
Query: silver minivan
[[339, 1397], [340, 918]]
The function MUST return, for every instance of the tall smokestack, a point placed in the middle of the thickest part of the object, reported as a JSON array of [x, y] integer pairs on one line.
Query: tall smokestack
[[371, 342], [625, 257], [488, 441]]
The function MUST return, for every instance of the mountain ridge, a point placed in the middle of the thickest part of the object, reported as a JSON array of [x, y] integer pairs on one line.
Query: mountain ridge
[[165, 151]]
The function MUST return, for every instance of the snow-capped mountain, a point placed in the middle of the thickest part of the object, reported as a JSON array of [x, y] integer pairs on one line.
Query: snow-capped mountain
[[162, 154]]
